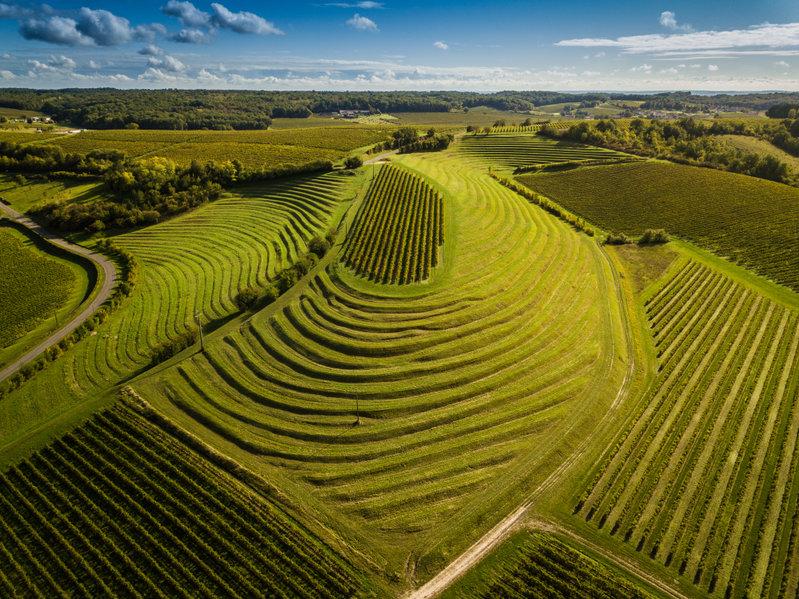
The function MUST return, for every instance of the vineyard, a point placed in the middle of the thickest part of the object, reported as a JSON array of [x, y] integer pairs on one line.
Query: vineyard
[[251, 148], [119, 508], [190, 267], [537, 565], [705, 479], [463, 388], [50, 284], [513, 151], [751, 221], [398, 229]]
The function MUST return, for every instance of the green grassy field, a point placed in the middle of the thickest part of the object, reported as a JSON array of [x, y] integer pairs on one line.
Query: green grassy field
[[398, 229], [480, 116], [119, 507], [40, 288], [703, 480], [541, 565], [190, 267], [35, 192], [470, 388], [749, 220], [516, 150]]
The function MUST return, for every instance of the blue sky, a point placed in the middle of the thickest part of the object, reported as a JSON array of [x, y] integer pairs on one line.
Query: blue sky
[[579, 45]]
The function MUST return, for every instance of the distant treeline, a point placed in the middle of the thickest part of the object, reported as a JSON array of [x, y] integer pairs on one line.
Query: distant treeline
[[688, 102]]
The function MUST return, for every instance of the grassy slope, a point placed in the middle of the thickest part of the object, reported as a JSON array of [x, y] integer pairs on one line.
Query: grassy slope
[[31, 303], [760, 146], [472, 387], [749, 220], [192, 264], [36, 192]]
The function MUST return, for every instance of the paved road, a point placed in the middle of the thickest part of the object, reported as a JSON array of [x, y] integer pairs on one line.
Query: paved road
[[103, 264]]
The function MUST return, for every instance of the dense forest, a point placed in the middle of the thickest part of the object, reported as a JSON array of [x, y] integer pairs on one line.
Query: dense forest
[[688, 102]]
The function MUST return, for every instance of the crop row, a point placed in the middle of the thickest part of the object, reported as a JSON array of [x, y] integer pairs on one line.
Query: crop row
[[117, 507], [705, 479], [545, 567], [514, 151], [398, 229]]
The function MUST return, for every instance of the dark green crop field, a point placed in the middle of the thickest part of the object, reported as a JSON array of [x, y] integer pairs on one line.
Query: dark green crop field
[[751, 221]]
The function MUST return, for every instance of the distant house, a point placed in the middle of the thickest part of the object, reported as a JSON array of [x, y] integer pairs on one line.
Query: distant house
[[351, 114]]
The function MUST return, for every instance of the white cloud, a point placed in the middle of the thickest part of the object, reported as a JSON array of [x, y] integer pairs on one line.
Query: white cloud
[[189, 15], [441, 45], [669, 71], [242, 22], [644, 68], [362, 23], [151, 50], [767, 36], [167, 63], [668, 19], [783, 64], [7, 75], [712, 68], [93, 64], [192, 36], [366, 4]]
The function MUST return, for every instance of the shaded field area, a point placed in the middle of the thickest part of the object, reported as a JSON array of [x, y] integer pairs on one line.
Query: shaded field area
[[466, 390], [704, 480], [118, 507], [398, 229], [751, 221]]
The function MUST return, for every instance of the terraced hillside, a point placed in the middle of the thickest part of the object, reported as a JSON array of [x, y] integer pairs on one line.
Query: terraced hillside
[[513, 151], [749, 220], [705, 479], [190, 267], [120, 508], [539, 565], [469, 391], [398, 229]]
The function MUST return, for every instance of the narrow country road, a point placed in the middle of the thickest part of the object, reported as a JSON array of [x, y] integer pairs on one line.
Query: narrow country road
[[104, 265]]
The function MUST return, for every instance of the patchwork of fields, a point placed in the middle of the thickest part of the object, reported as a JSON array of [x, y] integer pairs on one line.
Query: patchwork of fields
[[467, 389], [705, 478], [120, 508], [750, 221]]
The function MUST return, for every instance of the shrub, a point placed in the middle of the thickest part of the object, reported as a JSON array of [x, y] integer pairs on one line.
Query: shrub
[[653, 236], [246, 298], [319, 246], [173, 347], [614, 238], [353, 162]]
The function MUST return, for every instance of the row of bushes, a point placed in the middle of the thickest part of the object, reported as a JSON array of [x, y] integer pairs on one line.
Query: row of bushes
[[570, 164], [547, 204], [31, 158], [128, 273], [649, 237]]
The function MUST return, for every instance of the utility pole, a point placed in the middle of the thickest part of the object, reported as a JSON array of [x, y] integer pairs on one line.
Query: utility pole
[[357, 411], [202, 337]]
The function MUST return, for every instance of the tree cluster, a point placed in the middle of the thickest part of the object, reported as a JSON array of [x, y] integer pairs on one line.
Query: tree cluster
[[31, 158]]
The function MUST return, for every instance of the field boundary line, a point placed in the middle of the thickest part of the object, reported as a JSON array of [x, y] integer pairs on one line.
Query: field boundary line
[[104, 266]]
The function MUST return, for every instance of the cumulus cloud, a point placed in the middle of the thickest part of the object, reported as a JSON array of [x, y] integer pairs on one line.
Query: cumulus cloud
[[7, 75], [93, 64], [668, 20], [242, 22], [191, 36], [189, 15], [441, 45], [61, 61], [104, 27], [783, 64], [151, 50], [167, 63], [644, 68], [54, 30], [767, 36], [712, 68], [10, 11], [362, 23]]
